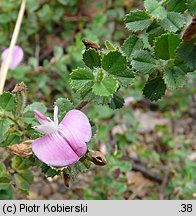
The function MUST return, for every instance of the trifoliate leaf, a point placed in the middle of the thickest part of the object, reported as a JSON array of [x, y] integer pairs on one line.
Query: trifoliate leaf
[[174, 78], [92, 58], [177, 6], [137, 20], [173, 22], [131, 44], [117, 101], [155, 9], [82, 80], [114, 62], [106, 87], [186, 53], [8, 102], [166, 45], [144, 62], [154, 31], [154, 88]]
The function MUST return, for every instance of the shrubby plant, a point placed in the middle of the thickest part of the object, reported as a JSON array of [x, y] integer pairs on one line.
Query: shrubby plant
[[160, 48]]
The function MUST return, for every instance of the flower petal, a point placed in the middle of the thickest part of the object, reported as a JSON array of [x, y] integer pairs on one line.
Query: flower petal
[[17, 56], [54, 150], [41, 117], [77, 122]]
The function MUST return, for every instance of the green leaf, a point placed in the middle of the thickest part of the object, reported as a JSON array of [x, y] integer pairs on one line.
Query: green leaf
[[4, 126], [7, 102], [144, 62], [19, 163], [174, 78], [64, 106], [166, 45], [155, 9], [137, 20], [12, 138], [106, 87], [154, 31], [29, 116], [117, 102], [154, 88], [191, 5], [82, 80], [23, 180], [114, 62], [177, 6], [186, 53], [92, 58], [173, 22], [110, 46], [131, 44], [5, 188]]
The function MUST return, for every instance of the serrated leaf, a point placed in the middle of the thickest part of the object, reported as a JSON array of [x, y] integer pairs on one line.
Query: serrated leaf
[[173, 22], [117, 102], [131, 44], [137, 20], [4, 126], [186, 53], [166, 45], [114, 62], [7, 102], [19, 163], [155, 9], [106, 87], [177, 6], [154, 31], [82, 80], [92, 58], [174, 78], [144, 62], [154, 89]]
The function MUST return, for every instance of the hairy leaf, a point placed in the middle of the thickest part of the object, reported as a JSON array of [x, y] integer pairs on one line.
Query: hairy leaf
[[137, 20], [166, 45], [177, 6], [7, 102], [92, 58], [154, 88], [144, 62]]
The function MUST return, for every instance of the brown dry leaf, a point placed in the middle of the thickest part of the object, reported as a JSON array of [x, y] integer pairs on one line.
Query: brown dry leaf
[[23, 149]]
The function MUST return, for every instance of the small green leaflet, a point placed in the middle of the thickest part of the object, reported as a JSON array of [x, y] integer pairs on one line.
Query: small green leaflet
[[82, 80], [114, 62], [4, 126], [92, 58], [106, 87], [166, 45], [117, 101], [144, 63], [177, 5], [8, 102], [137, 20], [174, 78], [173, 22], [154, 88], [131, 44], [155, 9]]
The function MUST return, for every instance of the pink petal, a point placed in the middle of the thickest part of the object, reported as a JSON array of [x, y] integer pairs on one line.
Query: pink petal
[[54, 150], [78, 124], [41, 117], [17, 56]]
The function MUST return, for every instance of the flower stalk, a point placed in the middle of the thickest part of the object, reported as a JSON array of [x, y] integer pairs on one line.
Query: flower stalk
[[6, 62]]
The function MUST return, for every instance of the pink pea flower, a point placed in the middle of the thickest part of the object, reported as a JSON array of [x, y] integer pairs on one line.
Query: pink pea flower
[[65, 143], [17, 56]]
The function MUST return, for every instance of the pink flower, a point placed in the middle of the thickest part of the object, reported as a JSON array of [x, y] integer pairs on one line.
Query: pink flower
[[102, 148], [17, 56], [64, 143]]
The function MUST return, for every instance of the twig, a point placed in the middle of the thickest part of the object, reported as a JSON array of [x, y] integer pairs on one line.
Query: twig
[[6, 62]]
